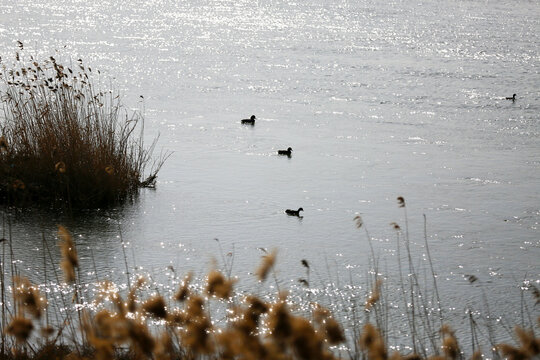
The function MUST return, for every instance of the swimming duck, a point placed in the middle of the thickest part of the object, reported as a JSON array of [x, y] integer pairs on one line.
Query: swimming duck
[[250, 121], [285, 152], [294, 212], [513, 98]]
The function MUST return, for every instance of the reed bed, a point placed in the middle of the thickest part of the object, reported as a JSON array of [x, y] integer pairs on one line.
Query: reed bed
[[210, 320], [64, 139]]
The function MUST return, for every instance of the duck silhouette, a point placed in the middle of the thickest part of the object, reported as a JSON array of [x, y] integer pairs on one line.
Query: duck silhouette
[[294, 212], [250, 121], [513, 98], [285, 152]]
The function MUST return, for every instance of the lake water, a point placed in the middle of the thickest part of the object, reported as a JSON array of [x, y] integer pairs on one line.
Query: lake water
[[377, 100]]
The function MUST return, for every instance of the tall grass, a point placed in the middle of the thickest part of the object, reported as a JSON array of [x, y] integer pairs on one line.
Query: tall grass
[[64, 139], [212, 321]]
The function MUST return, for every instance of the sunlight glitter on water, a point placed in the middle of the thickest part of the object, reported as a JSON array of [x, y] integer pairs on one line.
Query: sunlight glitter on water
[[377, 101]]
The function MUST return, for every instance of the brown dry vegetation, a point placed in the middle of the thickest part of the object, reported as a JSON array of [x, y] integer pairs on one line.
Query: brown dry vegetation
[[65, 140], [184, 327]]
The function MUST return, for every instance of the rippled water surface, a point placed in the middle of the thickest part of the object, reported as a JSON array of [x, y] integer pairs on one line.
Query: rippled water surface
[[377, 99]]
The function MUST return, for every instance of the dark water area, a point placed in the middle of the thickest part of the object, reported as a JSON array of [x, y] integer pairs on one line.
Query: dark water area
[[376, 99]]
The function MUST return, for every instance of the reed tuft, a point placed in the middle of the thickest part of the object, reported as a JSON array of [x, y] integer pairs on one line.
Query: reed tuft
[[67, 138]]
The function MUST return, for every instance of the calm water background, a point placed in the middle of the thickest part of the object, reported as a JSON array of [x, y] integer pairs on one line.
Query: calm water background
[[377, 99]]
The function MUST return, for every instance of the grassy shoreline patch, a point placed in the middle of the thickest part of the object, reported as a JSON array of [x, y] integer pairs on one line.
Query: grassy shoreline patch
[[66, 140]]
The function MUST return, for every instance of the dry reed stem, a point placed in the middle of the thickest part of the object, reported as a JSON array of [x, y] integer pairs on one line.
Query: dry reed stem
[[70, 259]]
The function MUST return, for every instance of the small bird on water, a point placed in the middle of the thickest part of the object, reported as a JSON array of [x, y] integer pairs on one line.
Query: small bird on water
[[513, 98], [294, 212], [285, 152], [250, 121]]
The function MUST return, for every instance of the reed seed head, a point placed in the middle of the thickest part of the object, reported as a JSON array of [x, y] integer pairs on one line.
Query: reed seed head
[[333, 331], [267, 264], [195, 306], [197, 336], [279, 321], [177, 317], [446, 330], [47, 331], [511, 352], [218, 286], [375, 295], [164, 348], [60, 167], [372, 342], [450, 347], [155, 306], [305, 342], [197, 328], [183, 292], [20, 328], [257, 305], [104, 322], [132, 295], [395, 226], [529, 343], [141, 338], [29, 297], [358, 220]]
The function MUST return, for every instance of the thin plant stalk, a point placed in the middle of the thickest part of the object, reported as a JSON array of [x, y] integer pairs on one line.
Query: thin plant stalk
[[435, 287]]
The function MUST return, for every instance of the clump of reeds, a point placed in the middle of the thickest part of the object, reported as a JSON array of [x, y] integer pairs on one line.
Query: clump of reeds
[[65, 139]]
